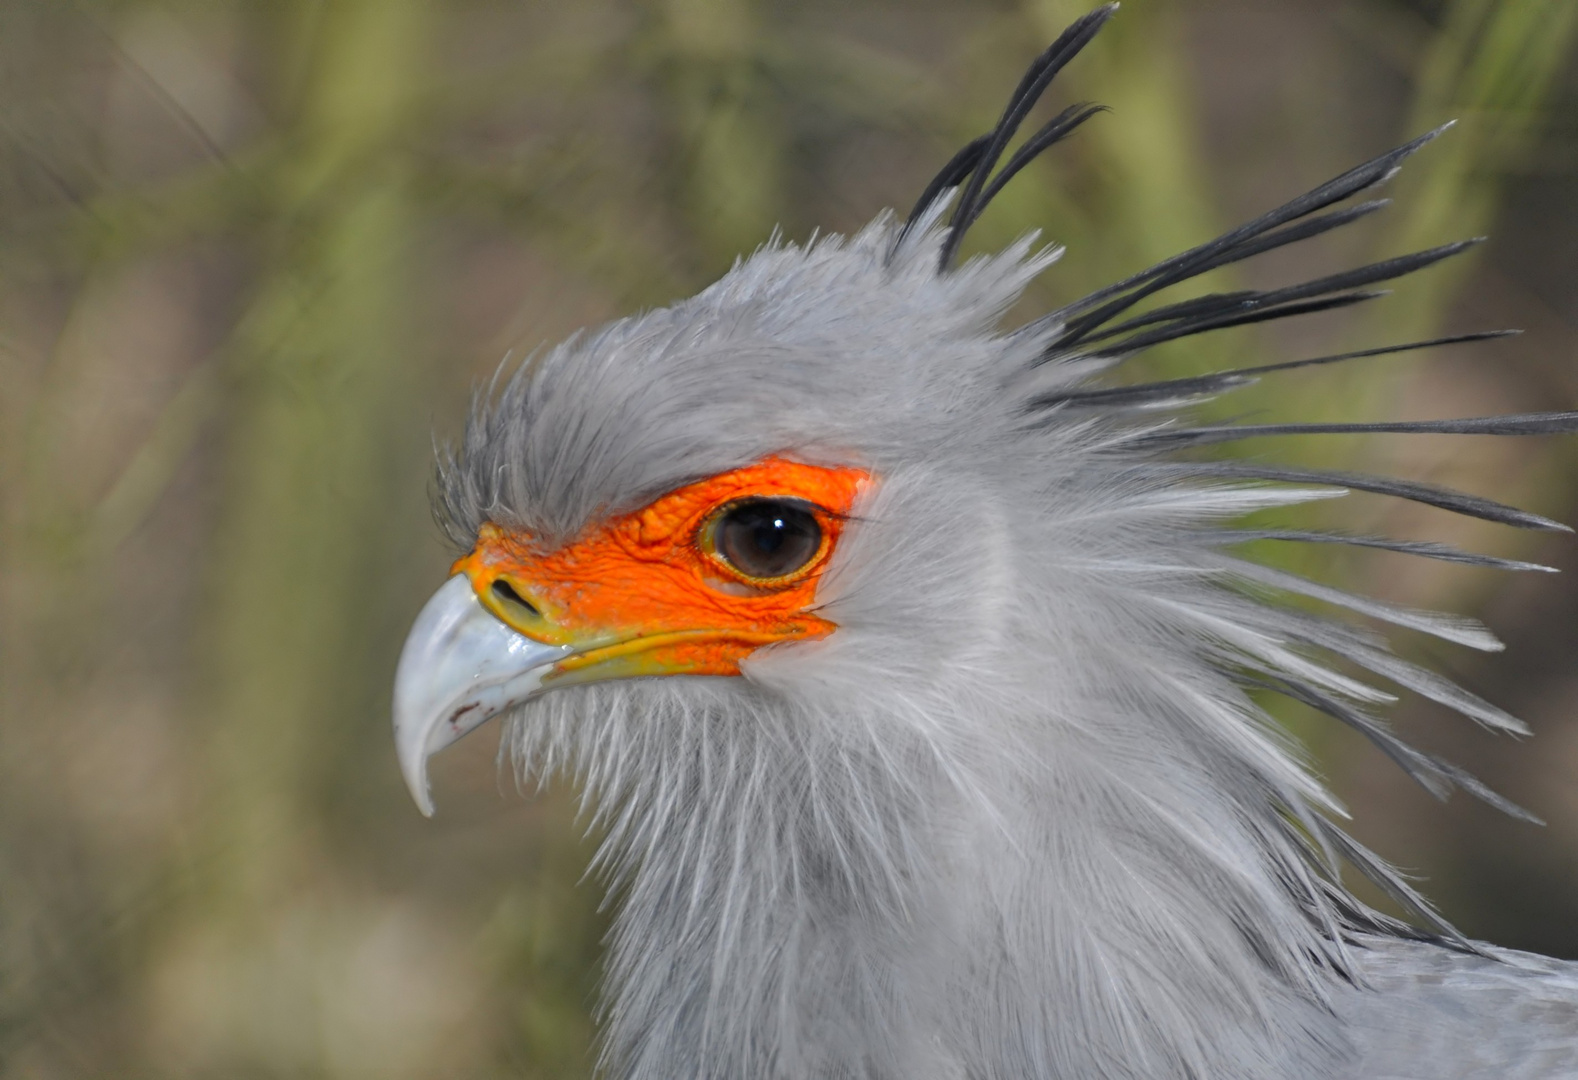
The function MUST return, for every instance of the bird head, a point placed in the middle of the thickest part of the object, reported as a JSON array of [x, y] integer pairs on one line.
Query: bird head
[[799, 482]]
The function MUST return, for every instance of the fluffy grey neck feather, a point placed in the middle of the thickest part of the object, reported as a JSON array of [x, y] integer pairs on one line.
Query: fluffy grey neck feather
[[818, 894]]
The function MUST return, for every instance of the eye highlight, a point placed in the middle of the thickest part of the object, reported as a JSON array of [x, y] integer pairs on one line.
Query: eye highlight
[[766, 541]]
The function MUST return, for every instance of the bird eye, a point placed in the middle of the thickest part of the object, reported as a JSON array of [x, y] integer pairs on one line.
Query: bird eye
[[766, 538]]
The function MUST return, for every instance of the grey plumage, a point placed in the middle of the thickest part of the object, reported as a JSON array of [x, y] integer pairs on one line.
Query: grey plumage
[[1457, 502], [1424, 1013], [1018, 816]]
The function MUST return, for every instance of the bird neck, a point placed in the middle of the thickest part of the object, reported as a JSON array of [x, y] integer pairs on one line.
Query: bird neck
[[793, 903]]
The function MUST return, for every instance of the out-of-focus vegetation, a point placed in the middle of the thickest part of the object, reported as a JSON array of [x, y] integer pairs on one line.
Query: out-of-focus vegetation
[[252, 256]]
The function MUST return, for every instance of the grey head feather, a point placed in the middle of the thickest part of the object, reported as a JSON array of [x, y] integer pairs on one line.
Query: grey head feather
[[1019, 816]]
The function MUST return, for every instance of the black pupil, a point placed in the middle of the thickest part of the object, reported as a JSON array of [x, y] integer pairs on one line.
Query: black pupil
[[766, 538]]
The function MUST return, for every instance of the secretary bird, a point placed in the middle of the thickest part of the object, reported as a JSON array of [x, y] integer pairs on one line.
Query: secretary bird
[[906, 669]]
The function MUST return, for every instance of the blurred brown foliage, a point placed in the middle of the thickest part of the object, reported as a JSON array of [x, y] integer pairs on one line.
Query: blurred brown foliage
[[253, 253]]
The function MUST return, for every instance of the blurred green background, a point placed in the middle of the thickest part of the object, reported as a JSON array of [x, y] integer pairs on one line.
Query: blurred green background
[[254, 253]]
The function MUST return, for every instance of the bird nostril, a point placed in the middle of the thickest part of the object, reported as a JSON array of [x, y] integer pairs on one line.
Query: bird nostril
[[506, 592]]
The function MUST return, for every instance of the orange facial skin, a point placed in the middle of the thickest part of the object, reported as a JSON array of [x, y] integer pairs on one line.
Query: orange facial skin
[[645, 593]]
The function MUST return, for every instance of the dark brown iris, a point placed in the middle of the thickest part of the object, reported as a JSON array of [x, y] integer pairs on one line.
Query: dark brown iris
[[767, 538]]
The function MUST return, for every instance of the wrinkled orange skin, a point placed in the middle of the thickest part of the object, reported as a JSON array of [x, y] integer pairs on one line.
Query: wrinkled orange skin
[[644, 594]]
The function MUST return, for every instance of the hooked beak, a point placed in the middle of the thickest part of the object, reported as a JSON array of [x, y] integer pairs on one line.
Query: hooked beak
[[460, 667]]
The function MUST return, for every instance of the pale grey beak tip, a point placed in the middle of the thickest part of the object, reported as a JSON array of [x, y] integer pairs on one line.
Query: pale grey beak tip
[[459, 668]]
